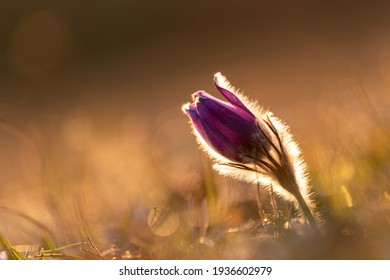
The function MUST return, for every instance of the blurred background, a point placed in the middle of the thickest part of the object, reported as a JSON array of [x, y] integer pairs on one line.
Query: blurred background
[[93, 142]]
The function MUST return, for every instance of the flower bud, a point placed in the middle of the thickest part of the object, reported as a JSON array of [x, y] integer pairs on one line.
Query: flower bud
[[228, 127]]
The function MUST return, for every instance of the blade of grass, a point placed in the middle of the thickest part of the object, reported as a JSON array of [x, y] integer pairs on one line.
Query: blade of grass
[[15, 254]]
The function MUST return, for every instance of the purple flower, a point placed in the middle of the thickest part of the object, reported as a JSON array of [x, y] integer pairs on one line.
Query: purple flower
[[252, 145], [228, 127]]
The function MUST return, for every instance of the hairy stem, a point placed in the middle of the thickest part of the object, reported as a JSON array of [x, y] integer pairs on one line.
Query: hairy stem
[[306, 211], [260, 204], [276, 215]]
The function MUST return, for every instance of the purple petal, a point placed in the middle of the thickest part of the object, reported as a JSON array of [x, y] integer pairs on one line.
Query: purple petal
[[201, 96], [226, 128], [230, 96], [216, 139], [231, 121]]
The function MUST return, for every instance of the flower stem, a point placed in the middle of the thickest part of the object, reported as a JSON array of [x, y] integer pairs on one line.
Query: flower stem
[[306, 210], [260, 204], [275, 210]]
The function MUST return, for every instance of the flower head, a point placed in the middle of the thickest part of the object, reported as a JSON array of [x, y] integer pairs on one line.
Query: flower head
[[228, 127], [249, 143]]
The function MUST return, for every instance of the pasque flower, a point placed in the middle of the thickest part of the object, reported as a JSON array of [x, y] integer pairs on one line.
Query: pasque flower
[[249, 143], [227, 127]]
